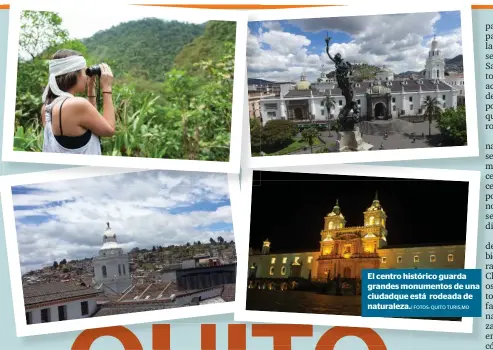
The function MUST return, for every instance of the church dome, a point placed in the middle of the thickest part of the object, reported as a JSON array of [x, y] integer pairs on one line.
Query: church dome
[[303, 84], [109, 239]]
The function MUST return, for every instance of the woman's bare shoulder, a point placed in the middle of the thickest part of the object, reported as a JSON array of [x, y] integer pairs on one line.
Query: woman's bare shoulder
[[80, 102]]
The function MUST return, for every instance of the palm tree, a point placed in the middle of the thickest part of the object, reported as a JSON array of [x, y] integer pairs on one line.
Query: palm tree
[[330, 104], [431, 108]]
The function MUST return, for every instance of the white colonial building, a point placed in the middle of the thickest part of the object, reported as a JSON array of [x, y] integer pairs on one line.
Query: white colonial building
[[381, 98], [59, 301], [111, 266]]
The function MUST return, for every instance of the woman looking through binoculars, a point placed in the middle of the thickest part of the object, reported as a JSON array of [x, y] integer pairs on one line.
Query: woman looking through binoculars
[[73, 124]]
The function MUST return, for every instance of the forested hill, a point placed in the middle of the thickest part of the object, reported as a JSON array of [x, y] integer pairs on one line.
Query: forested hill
[[145, 48], [210, 46]]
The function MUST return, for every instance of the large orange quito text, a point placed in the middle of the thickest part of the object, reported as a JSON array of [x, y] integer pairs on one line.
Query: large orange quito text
[[281, 336]]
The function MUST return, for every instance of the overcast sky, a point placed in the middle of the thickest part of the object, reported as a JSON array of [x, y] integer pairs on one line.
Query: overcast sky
[[283, 50], [84, 26], [67, 219]]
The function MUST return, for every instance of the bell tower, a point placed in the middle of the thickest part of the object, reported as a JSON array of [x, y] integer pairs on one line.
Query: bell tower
[[375, 220], [266, 247], [333, 221]]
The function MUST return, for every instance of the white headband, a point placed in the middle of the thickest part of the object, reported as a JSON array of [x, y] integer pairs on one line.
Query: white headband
[[59, 67]]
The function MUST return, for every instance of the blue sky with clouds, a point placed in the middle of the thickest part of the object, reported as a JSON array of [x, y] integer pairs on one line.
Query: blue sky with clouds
[[282, 50], [66, 219]]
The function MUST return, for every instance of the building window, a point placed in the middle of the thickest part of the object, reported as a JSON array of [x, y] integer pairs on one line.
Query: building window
[[410, 107], [450, 257], [104, 271], [45, 316], [384, 259], [272, 260], [340, 102], [326, 271], [322, 112], [84, 308], [310, 258], [322, 103], [399, 259], [124, 272], [283, 270], [416, 259], [359, 102], [461, 92], [444, 105], [393, 108], [393, 99], [443, 97], [433, 258], [271, 105], [119, 270], [62, 313], [410, 99], [271, 114], [271, 271], [284, 260], [297, 260], [29, 317]]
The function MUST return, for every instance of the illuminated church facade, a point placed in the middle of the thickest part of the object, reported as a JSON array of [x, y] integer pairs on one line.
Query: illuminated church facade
[[345, 251]]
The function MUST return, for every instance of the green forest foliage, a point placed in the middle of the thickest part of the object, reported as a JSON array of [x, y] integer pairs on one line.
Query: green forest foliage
[[163, 110], [144, 48], [209, 46]]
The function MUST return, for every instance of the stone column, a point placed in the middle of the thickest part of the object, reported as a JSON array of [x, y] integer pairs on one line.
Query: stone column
[[283, 109]]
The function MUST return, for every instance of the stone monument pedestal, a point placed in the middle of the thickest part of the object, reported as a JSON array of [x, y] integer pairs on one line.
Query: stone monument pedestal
[[351, 141]]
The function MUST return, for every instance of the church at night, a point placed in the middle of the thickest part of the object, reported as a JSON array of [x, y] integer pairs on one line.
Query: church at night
[[346, 250]]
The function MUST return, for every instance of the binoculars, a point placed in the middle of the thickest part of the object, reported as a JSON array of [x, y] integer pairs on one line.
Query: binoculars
[[93, 71]]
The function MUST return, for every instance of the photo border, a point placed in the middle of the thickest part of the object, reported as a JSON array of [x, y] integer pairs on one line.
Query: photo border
[[243, 234], [22, 329], [367, 9], [239, 85]]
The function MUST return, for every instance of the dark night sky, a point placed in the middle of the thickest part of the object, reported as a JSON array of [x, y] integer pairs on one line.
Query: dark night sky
[[289, 208]]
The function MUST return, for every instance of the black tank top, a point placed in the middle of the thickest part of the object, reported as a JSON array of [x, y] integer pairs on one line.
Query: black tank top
[[71, 142]]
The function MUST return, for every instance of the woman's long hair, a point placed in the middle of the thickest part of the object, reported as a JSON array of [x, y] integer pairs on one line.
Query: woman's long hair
[[66, 81]]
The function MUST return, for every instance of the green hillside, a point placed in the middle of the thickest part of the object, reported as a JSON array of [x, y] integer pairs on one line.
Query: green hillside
[[210, 46], [144, 48]]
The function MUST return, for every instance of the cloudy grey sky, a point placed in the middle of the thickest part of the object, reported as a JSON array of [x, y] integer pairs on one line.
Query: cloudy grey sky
[[67, 219], [283, 50]]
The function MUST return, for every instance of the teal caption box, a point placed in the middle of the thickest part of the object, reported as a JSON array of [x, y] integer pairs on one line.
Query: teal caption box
[[427, 293]]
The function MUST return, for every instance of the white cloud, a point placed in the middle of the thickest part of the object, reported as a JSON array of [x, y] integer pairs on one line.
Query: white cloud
[[94, 20], [396, 41], [144, 209]]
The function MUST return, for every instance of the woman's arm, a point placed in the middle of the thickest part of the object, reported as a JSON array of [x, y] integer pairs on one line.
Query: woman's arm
[[89, 117], [43, 116], [91, 90]]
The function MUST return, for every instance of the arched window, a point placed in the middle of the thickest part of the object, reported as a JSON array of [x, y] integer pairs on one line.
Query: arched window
[[124, 269], [271, 272], [119, 270], [331, 225], [283, 270], [438, 73], [372, 220], [104, 272]]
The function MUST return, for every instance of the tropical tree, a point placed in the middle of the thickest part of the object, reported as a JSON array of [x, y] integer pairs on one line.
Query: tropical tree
[[308, 136], [39, 31], [431, 108], [452, 126]]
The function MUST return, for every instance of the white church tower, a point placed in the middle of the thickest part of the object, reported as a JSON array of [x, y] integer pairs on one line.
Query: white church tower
[[111, 266], [435, 63]]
